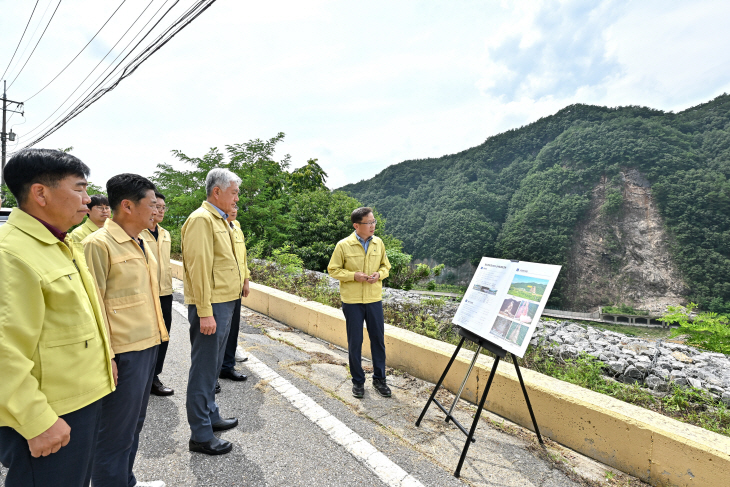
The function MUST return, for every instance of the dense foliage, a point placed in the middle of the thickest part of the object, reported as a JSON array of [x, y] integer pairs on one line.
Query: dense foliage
[[282, 213], [520, 194]]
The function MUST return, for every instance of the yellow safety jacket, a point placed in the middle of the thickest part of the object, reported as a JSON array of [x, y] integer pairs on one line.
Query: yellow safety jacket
[[212, 274], [240, 243], [127, 282], [161, 249], [349, 257], [82, 231], [54, 350]]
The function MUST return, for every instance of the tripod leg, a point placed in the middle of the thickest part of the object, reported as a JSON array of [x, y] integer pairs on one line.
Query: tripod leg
[[466, 378], [457, 473], [438, 384], [527, 399]]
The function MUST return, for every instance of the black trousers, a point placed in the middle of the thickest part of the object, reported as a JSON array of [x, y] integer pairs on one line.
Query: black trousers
[[122, 418], [229, 359], [372, 315], [166, 305], [68, 467]]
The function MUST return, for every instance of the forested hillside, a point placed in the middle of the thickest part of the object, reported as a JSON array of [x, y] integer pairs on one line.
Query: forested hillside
[[524, 194]]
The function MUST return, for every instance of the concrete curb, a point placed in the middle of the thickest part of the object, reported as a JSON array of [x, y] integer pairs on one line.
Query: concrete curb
[[652, 447]]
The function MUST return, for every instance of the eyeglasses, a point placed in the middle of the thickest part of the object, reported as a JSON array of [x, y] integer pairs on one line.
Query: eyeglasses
[[162, 208], [372, 223]]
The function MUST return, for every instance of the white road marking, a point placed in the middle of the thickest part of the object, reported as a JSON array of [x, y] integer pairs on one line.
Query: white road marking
[[386, 470]]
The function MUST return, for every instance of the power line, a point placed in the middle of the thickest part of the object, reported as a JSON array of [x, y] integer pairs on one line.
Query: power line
[[36, 44], [21, 40], [183, 21], [32, 36], [101, 61], [82, 50], [115, 67]]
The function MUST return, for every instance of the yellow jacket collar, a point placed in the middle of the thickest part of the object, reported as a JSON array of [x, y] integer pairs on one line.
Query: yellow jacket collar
[[23, 221], [212, 209], [91, 225], [116, 231], [352, 239]]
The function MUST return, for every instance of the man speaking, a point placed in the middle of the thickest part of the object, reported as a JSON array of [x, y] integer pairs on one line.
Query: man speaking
[[360, 264]]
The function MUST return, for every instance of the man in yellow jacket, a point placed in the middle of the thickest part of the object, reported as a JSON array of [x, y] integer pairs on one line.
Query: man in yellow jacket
[[228, 370], [158, 241], [213, 284], [54, 351], [126, 275], [99, 211], [360, 264]]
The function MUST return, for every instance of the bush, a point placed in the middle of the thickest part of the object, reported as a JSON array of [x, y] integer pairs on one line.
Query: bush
[[624, 309], [403, 275], [707, 330], [290, 263]]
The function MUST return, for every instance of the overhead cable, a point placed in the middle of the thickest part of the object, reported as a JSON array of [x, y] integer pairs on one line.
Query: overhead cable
[[183, 21], [21, 40], [34, 129], [77, 55], [36, 44]]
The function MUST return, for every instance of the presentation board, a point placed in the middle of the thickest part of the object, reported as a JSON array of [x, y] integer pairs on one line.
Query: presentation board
[[504, 301]]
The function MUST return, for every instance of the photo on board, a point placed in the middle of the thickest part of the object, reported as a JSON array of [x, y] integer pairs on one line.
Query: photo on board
[[509, 307], [501, 327], [528, 287], [526, 312], [516, 333]]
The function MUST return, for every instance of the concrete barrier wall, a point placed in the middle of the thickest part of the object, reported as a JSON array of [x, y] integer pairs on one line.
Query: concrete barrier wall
[[657, 449]]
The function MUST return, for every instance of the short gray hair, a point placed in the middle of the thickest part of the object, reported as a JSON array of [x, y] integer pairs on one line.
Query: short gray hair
[[220, 178]]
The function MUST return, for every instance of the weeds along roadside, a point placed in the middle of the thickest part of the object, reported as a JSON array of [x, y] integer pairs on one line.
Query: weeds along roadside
[[689, 405]]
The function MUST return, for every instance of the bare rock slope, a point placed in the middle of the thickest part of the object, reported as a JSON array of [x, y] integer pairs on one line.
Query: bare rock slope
[[621, 252]]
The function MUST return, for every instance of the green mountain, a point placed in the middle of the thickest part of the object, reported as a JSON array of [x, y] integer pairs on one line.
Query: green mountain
[[573, 179]]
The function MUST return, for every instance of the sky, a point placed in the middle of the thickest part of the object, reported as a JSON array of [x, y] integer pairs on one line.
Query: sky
[[357, 85]]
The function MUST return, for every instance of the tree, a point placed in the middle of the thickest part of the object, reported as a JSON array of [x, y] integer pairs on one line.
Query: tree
[[321, 219], [310, 177], [263, 212]]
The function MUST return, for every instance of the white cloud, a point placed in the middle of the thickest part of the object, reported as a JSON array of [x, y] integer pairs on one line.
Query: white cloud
[[363, 86]]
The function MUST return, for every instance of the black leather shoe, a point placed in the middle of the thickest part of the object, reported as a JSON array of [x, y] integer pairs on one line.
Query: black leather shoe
[[358, 390], [160, 389], [216, 446], [225, 424], [381, 387], [232, 374], [217, 387]]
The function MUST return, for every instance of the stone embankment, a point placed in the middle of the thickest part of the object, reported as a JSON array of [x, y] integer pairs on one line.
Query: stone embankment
[[657, 364]]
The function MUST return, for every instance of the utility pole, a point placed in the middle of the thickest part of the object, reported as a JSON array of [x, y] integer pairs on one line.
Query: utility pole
[[4, 135]]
